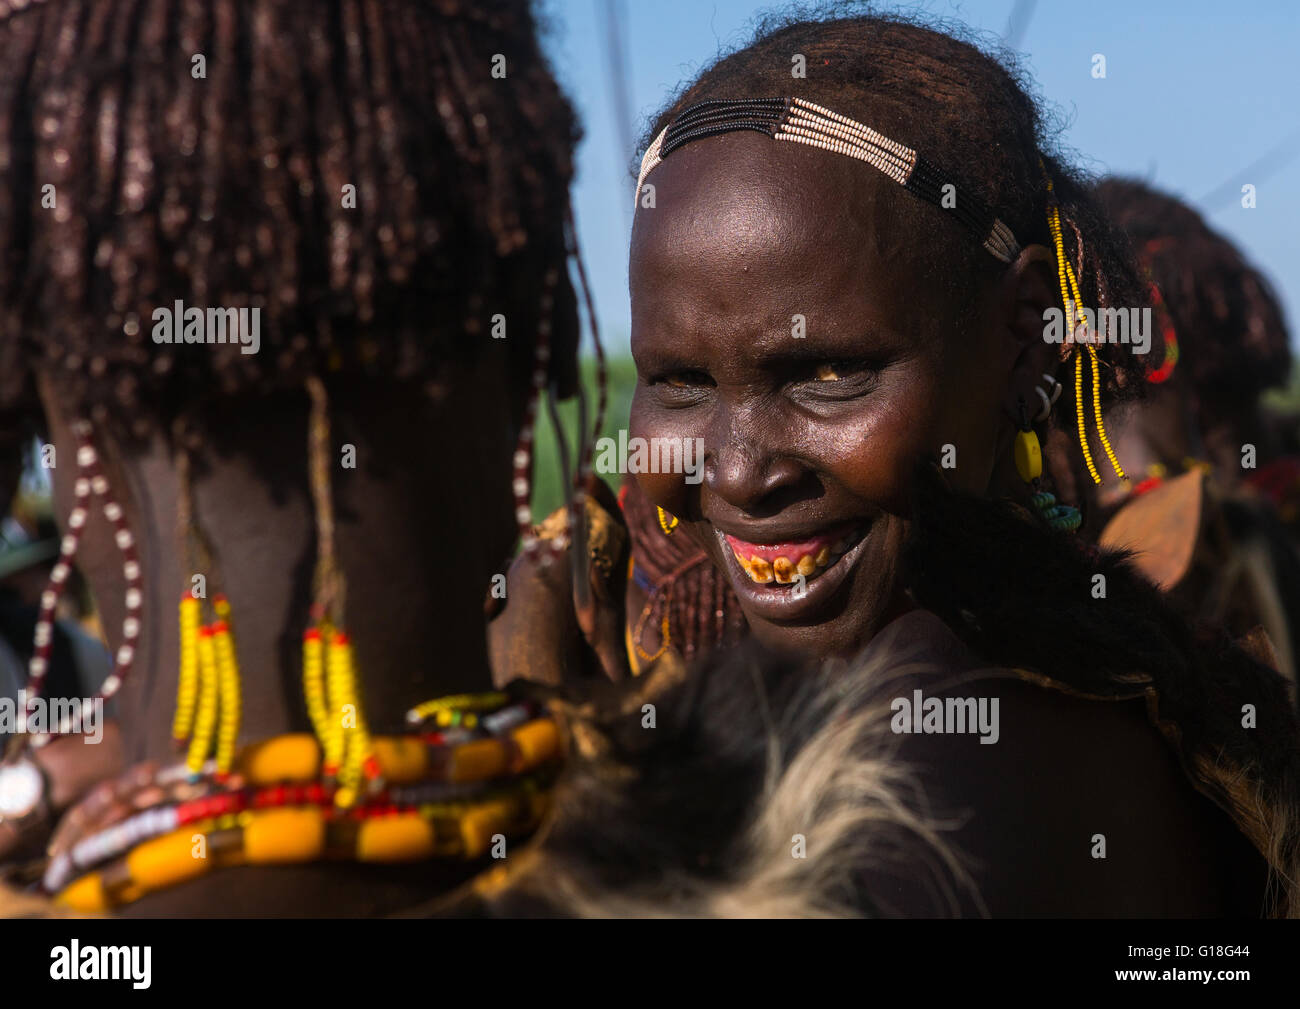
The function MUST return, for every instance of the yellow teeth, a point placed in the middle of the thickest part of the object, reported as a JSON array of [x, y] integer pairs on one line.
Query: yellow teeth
[[783, 570]]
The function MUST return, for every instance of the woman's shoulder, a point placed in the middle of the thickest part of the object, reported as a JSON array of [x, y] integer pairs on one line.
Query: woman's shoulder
[[1056, 803]]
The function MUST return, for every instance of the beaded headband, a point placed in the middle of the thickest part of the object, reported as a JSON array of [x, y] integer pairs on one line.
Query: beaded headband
[[802, 122]]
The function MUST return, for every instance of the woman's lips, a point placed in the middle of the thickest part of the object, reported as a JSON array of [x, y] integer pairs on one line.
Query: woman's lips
[[781, 562], [777, 593]]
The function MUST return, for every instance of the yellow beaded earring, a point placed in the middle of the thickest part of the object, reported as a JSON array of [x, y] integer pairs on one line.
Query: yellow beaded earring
[[664, 523]]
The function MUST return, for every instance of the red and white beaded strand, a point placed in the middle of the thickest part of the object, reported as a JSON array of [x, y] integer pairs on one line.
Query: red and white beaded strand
[[523, 457], [90, 482], [586, 447]]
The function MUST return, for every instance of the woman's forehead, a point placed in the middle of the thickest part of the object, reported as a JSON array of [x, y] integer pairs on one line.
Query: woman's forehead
[[757, 231], [744, 193]]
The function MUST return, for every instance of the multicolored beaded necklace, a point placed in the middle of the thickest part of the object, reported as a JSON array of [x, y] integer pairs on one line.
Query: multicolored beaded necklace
[[475, 769]]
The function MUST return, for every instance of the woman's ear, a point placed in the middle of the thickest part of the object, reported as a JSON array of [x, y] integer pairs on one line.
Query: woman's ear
[[1028, 293]]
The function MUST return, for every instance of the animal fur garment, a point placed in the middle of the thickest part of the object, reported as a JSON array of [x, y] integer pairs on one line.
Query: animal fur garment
[[698, 816]]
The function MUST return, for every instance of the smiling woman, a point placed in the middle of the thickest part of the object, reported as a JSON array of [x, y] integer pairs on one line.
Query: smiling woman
[[838, 287], [921, 324]]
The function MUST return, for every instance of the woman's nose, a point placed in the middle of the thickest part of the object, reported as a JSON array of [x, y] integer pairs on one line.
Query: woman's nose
[[746, 475]]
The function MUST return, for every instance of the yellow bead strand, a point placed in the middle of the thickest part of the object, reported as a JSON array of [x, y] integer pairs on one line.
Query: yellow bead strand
[[357, 753], [313, 681], [1101, 427], [356, 737], [187, 688], [1073, 300], [337, 692], [206, 723], [457, 702], [1083, 427], [230, 700]]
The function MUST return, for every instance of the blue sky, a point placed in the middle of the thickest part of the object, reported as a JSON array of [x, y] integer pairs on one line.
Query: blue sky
[[1195, 94]]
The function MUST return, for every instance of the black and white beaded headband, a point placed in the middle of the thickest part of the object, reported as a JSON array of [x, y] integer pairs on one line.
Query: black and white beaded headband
[[803, 122]]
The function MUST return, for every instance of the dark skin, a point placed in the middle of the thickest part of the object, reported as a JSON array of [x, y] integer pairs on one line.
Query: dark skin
[[394, 513], [807, 434], [422, 522]]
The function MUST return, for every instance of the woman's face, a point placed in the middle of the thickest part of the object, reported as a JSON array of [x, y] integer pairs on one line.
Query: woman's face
[[775, 318]]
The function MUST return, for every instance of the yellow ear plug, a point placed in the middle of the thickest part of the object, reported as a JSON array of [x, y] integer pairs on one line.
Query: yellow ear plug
[[1029, 456]]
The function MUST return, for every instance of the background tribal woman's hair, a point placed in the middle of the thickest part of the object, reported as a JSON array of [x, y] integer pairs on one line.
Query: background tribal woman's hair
[[228, 190], [972, 114], [1231, 332]]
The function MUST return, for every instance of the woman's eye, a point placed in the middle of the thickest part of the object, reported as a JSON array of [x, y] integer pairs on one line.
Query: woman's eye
[[837, 380], [686, 379]]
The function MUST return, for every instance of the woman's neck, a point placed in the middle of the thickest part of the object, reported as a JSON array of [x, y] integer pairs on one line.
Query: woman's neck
[[416, 544]]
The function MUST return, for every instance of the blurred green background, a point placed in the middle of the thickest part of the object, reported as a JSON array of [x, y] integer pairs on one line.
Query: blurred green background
[[548, 494]]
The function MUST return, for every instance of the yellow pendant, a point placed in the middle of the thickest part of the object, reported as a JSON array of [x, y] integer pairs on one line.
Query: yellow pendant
[[1029, 456]]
